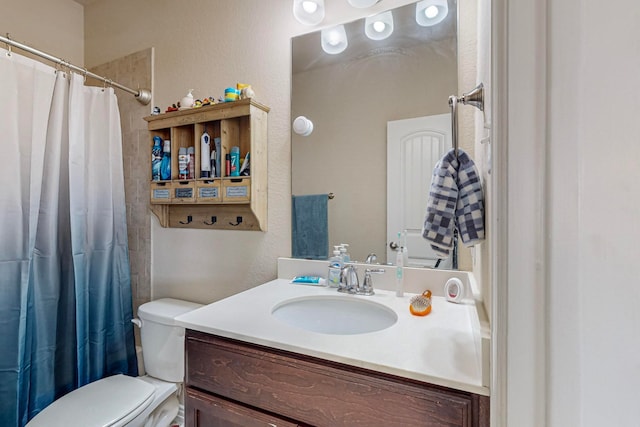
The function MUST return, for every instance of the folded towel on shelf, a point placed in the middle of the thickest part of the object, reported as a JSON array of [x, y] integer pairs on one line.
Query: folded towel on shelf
[[309, 227], [455, 201]]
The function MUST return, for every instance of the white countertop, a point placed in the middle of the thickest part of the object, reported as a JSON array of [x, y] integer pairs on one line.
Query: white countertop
[[442, 348]]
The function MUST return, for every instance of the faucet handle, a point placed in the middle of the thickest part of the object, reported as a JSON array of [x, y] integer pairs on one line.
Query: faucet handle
[[367, 286]]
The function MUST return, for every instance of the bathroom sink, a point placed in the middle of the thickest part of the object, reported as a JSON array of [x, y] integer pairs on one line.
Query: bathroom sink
[[335, 315]]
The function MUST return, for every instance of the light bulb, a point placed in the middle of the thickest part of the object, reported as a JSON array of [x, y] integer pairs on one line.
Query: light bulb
[[379, 26], [431, 12], [309, 6], [308, 12], [334, 38]]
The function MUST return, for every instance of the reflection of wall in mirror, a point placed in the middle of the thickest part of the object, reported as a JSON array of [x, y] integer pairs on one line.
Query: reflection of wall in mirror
[[350, 105]]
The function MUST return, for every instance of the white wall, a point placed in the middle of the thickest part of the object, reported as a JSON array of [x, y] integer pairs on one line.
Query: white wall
[[208, 46], [53, 26], [573, 322], [606, 152]]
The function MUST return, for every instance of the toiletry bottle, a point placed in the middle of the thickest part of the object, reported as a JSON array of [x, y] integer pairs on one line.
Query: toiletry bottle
[[165, 165], [227, 159], [183, 163], [346, 257], [217, 143], [244, 169], [156, 158], [399, 270], [235, 161], [191, 152], [214, 168], [205, 155], [335, 268]]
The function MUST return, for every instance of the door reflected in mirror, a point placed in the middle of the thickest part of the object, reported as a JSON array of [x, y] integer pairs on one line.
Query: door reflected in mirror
[[350, 98]]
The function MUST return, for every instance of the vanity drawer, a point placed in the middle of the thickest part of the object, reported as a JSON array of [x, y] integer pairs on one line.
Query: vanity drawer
[[320, 392], [204, 410]]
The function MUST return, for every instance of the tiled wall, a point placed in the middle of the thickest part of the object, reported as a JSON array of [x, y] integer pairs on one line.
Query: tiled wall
[[135, 71]]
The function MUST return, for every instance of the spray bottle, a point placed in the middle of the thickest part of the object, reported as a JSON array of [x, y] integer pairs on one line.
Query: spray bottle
[[165, 165], [156, 158]]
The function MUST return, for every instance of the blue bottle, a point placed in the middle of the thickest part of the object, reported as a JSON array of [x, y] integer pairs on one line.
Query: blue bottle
[[156, 158], [165, 165], [235, 161]]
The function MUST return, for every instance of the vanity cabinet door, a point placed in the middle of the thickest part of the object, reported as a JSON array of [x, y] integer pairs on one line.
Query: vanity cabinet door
[[205, 410], [322, 393]]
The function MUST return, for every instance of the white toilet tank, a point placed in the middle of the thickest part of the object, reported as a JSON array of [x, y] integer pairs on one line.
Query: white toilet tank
[[162, 339]]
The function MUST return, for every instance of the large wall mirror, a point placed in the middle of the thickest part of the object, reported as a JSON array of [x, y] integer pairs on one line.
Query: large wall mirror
[[350, 97]]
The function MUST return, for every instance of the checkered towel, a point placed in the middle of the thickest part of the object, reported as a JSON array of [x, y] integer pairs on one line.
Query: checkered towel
[[455, 200]]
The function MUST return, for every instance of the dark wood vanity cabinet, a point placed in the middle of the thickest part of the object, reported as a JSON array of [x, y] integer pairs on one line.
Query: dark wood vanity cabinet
[[233, 383]]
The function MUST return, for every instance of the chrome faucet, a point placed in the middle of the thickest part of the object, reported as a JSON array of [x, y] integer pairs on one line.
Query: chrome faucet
[[371, 259], [367, 286], [349, 282]]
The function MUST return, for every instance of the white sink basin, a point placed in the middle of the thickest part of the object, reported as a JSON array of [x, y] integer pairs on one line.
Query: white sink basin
[[335, 315]]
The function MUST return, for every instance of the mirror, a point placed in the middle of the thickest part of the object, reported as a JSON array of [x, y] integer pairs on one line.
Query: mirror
[[349, 97]]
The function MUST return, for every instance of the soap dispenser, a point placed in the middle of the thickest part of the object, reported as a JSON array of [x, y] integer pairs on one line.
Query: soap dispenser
[[335, 268], [346, 257]]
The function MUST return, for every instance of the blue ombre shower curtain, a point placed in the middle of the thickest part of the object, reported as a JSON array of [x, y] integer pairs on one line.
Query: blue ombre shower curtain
[[65, 292]]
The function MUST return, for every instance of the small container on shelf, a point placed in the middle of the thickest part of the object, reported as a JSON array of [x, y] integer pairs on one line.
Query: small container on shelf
[[183, 192], [161, 192], [208, 191], [236, 190]]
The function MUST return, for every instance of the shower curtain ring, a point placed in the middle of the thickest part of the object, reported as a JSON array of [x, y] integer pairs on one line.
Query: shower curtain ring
[[85, 74]]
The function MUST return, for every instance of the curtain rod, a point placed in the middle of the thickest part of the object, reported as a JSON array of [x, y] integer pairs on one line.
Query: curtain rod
[[142, 95]]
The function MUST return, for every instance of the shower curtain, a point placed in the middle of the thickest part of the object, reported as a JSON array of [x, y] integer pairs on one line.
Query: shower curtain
[[65, 290]]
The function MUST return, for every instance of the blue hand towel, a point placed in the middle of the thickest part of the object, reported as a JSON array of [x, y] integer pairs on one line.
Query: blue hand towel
[[455, 201], [309, 227]]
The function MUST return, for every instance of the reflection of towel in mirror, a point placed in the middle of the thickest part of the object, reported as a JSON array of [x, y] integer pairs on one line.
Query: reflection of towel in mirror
[[309, 227], [455, 200]]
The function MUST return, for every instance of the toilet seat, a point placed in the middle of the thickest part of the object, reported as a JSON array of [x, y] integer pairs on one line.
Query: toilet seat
[[109, 402]]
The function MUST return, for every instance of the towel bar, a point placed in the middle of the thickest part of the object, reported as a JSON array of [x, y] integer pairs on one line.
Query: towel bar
[[474, 98]]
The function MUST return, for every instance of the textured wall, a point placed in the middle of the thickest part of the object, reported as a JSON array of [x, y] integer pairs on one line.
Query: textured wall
[[53, 26], [135, 71], [209, 46]]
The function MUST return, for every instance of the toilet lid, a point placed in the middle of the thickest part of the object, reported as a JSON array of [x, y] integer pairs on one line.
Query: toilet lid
[[101, 403]]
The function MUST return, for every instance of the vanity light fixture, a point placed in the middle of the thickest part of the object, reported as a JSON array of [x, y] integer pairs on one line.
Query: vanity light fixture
[[362, 3], [308, 12], [431, 12], [302, 126], [380, 26], [334, 40]]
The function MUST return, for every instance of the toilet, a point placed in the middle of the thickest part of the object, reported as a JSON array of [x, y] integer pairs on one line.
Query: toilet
[[118, 401]]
